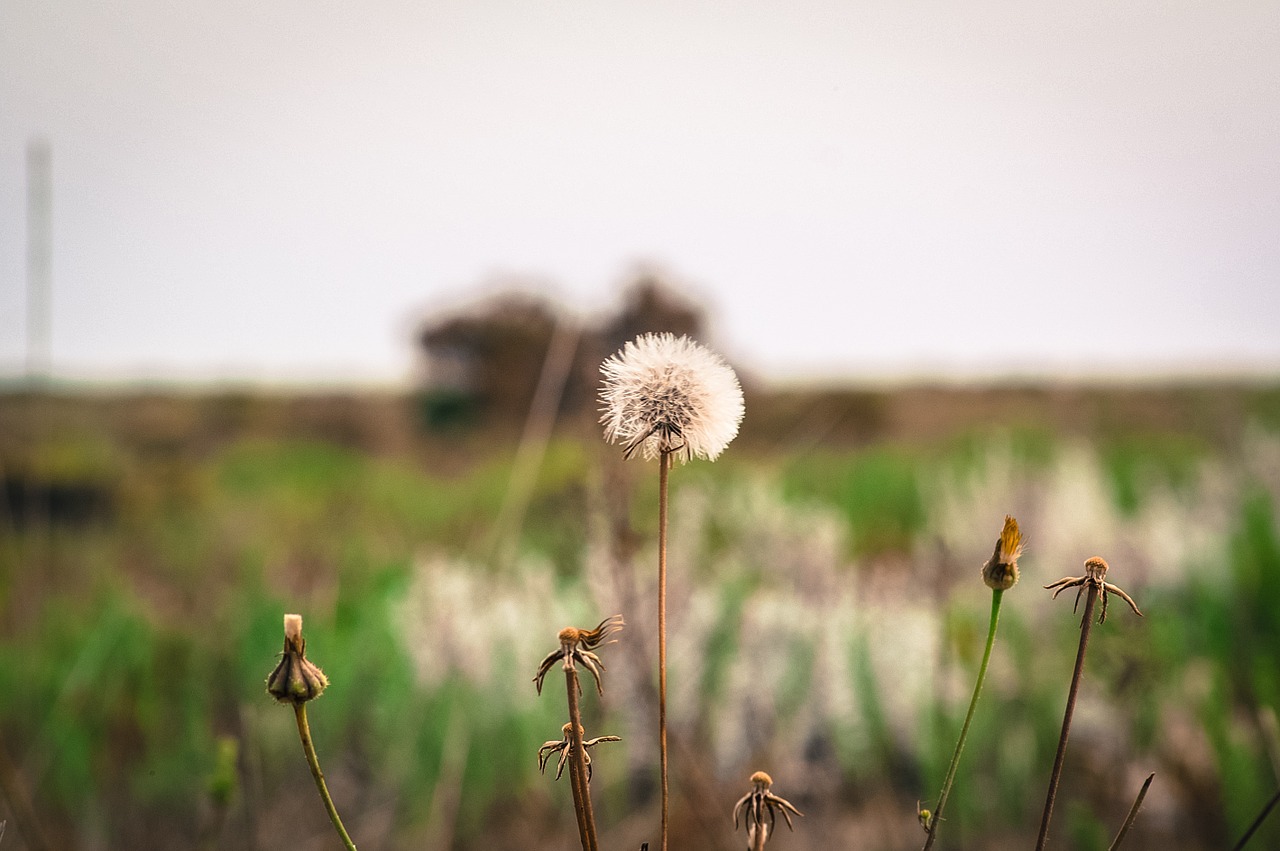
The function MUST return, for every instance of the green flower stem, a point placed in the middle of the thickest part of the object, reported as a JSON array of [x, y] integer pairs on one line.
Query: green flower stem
[[996, 595], [1091, 596], [304, 732]]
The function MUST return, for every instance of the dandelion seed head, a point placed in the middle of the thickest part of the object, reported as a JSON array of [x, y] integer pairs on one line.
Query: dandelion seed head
[[668, 394]]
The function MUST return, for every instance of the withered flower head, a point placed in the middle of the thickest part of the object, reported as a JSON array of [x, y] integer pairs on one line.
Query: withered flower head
[[295, 680], [564, 746], [1094, 580], [1001, 571], [578, 645], [753, 806], [665, 394]]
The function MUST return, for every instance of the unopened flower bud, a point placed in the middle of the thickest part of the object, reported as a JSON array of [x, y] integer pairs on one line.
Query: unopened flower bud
[[1001, 571], [295, 680]]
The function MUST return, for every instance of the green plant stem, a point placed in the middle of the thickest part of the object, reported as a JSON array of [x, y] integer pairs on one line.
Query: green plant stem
[[996, 596], [578, 767], [1091, 595], [1257, 823], [1133, 813], [309, 748], [664, 470]]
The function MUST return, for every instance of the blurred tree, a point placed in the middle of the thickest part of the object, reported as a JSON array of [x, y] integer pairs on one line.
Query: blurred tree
[[483, 366]]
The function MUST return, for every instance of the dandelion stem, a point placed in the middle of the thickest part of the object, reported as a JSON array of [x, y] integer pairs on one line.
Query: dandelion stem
[[304, 732], [1091, 595], [1133, 813], [1257, 823], [664, 471], [758, 845], [996, 595], [578, 767]]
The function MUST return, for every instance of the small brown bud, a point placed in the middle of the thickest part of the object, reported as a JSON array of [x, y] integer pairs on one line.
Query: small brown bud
[[295, 680]]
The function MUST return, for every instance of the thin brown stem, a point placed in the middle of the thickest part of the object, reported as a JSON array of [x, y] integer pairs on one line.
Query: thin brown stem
[[578, 767], [309, 748], [1091, 596], [664, 470], [579, 812], [758, 845], [1133, 813], [1257, 823]]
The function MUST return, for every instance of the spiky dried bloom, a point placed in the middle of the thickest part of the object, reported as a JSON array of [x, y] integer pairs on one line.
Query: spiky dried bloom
[[666, 394], [1001, 570], [1094, 579], [578, 646], [295, 680], [755, 804], [564, 746]]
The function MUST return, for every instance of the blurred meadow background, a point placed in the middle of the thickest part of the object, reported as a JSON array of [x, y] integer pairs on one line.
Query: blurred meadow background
[[302, 309]]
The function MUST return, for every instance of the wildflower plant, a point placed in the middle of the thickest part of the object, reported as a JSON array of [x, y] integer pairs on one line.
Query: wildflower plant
[[1093, 586], [296, 680], [1000, 573], [755, 805], [577, 647], [668, 397]]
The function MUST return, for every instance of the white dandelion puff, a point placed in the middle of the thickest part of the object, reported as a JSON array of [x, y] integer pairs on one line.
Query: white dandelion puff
[[667, 394]]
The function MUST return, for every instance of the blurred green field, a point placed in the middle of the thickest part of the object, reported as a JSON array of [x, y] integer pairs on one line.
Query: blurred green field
[[827, 618]]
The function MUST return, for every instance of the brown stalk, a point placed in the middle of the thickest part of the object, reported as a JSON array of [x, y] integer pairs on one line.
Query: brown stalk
[[578, 766], [1091, 596], [1133, 813], [664, 470]]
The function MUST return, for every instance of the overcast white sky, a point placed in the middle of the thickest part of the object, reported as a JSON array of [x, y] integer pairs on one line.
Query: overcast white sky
[[276, 190]]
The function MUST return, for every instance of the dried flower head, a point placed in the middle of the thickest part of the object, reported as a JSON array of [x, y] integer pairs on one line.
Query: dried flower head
[[295, 680], [1001, 570], [1094, 580], [578, 645], [666, 394], [760, 800], [564, 746]]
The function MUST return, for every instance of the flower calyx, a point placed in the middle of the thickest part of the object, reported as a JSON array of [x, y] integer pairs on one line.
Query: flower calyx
[[295, 679], [564, 747], [578, 646], [1094, 581]]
